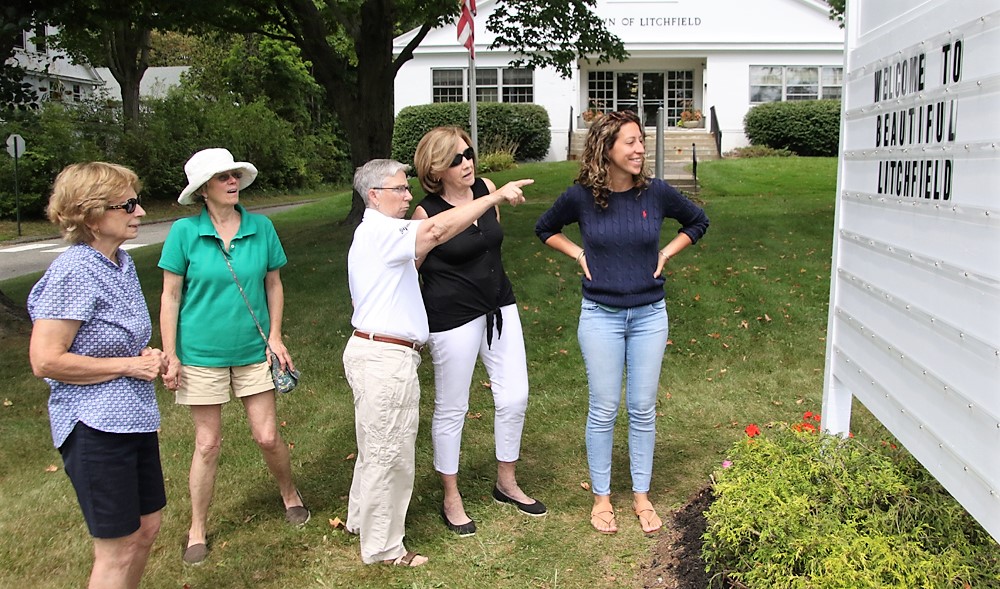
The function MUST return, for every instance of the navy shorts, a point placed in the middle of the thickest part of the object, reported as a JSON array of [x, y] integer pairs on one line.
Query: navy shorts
[[117, 478]]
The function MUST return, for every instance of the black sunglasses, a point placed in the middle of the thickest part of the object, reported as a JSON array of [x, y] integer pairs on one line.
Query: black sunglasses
[[469, 154], [129, 205], [224, 177]]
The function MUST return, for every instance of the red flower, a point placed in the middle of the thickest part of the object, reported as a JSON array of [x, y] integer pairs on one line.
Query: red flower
[[807, 415], [752, 430]]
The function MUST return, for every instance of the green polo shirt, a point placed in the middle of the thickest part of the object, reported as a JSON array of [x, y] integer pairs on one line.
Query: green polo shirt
[[215, 327]]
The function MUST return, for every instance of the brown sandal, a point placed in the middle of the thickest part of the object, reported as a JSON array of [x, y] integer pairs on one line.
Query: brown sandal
[[607, 521], [407, 560], [644, 521]]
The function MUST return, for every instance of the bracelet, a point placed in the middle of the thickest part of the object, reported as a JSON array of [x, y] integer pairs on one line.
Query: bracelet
[[666, 258], [580, 256]]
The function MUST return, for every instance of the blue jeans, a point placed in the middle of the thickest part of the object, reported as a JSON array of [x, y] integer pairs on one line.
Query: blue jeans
[[614, 341]]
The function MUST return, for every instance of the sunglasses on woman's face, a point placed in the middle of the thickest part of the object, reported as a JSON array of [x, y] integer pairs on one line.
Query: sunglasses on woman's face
[[468, 154], [129, 205], [225, 176]]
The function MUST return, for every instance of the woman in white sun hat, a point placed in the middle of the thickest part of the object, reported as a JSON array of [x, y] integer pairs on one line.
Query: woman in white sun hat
[[209, 337]]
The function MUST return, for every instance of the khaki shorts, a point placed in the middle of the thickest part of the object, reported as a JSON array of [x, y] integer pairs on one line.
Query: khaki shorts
[[203, 385]]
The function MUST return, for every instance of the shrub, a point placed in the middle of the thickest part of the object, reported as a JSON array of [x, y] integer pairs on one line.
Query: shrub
[[54, 137], [752, 151], [497, 155], [806, 127], [169, 131], [527, 125], [799, 509]]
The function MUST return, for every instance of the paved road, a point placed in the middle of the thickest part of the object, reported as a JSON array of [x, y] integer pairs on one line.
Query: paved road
[[35, 256]]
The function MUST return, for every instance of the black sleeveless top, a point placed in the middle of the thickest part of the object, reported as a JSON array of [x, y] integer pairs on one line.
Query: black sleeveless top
[[463, 278]]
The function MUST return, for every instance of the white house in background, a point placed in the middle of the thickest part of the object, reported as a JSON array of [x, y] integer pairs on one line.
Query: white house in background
[[50, 71], [155, 83], [720, 54]]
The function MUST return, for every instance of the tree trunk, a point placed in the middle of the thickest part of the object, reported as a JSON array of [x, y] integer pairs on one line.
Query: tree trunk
[[127, 47], [361, 95]]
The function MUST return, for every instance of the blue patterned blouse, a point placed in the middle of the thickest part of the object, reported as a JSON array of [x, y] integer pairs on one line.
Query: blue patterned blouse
[[83, 285]]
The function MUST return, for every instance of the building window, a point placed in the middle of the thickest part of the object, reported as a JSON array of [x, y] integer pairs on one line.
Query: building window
[[601, 91], [19, 42], [77, 93], [776, 83], [492, 85], [39, 39]]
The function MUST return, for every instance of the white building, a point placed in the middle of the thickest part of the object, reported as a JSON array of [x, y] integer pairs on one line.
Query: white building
[[156, 81], [725, 55], [50, 72]]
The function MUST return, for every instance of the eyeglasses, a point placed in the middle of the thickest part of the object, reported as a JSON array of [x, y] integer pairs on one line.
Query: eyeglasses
[[225, 176], [469, 154], [129, 205], [400, 190]]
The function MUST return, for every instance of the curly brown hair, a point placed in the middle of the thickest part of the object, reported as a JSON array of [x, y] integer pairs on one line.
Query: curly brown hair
[[594, 162], [81, 194]]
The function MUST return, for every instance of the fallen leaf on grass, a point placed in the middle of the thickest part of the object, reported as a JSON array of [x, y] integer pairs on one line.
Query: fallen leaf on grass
[[7, 402], [283, 423], [585, 486], [336, 523], [471, 415], [51, 468], [486, 384], [350, 456]]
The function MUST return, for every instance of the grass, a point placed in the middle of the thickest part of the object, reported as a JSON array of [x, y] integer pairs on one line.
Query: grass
[[748, 309]]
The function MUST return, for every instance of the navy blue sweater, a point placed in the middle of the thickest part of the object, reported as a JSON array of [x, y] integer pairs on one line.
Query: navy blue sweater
[[622, 241]]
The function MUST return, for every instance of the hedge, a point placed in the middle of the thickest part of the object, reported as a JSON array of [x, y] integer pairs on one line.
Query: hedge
[[526, 125], [806, 127]]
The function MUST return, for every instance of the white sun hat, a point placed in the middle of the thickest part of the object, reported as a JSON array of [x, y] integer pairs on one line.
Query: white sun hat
[[207, 163]]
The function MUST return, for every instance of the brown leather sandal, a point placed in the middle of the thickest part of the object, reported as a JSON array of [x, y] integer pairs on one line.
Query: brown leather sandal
[[607, 521], [407, 560]]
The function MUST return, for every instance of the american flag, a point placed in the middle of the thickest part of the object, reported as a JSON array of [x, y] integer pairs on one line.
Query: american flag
[[465, 25]]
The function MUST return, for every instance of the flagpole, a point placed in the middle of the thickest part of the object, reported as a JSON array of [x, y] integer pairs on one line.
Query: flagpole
[[473, 122]]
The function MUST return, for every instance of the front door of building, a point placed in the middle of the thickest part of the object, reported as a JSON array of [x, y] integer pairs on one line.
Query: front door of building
[[641, 92]]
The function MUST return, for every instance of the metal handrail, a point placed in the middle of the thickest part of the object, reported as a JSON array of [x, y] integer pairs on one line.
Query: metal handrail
[[716, 131]]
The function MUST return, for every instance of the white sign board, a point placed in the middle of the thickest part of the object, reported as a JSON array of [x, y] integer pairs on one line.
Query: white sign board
[[914, 328]]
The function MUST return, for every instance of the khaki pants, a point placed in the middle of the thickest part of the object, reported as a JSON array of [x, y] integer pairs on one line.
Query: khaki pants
[[383, 378]]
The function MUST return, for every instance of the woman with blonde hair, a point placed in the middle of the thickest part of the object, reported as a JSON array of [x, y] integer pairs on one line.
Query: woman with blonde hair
[[623, 317], [472, 313], [90, 342]]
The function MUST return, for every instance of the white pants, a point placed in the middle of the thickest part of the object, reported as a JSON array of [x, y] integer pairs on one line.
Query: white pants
[[454, 353], [383, 378]]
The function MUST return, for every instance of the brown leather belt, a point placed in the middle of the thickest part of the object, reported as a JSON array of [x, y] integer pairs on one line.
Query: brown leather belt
[[388, 339]]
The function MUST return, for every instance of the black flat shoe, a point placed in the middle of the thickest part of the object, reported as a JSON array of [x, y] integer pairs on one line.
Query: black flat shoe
[[535, 509], [463, 530]]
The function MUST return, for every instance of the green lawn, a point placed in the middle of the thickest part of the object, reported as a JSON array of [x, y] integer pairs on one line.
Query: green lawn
[[748, 309]]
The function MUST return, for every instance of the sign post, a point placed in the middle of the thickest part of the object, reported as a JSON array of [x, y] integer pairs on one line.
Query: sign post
[[15, 147]]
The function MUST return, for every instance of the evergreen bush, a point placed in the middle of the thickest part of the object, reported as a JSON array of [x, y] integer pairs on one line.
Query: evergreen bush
[[526, 125], [806, 127]]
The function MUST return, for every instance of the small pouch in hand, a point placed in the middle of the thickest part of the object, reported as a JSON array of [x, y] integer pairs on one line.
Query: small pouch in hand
[[284, 380]]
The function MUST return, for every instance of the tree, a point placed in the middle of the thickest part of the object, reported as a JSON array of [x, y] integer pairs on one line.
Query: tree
[[17, 16], [349, 44], [114, 34], [837, 8]]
